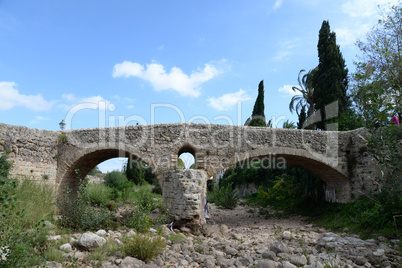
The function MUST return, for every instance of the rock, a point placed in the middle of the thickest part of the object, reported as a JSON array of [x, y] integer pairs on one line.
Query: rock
[[266, 264], [185, 229], [287, 235], [74, 255], [66, 247], [53, 264], [131, 233], [299, 260], [89, 241], [381, 239], [231, 251], [279, 247], [360, 261], [108, 264], [72, 241], [316, 264], [49, 225], [54, 237], [152, 230], [130, 262], [222, 262], [118, 242], [287, 264], [224, 229], [209, 263], [246, 261], [101, 232], [270, 255]]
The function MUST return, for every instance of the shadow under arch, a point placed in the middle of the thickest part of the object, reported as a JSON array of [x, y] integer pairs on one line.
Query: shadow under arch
[[337, 184], [84, 163]]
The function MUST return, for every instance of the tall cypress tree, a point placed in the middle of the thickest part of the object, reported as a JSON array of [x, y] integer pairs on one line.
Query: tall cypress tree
[[258, 117], [302, 117], [134, 171], [330, 82]]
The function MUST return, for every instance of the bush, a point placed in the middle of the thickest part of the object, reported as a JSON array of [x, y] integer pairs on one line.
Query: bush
[[224, 197], [139, 219], [19, 247], [119, 184], [99, 194], [77, 213], [144, 246], [5, 165], [145, 200], [37, 201]]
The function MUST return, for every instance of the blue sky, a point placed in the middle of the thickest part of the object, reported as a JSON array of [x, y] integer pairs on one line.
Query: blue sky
[[163, 61]]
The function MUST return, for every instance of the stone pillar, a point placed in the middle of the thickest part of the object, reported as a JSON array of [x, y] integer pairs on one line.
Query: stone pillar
[[183, 194]]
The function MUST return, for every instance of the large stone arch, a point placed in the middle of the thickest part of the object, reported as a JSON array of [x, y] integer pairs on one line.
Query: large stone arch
[[337, 184], [86, 160]]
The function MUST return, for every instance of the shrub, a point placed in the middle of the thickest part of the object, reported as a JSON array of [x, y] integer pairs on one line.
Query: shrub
[[18, 246], [224, 197], [144, 246], [37, 201], [119, 184], [76, 212], [5, 165], [145, 200], [99, 194], [139, 219]]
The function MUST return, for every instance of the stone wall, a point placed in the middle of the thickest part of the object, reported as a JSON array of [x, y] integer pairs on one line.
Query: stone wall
[[183, 193], [33, 152]]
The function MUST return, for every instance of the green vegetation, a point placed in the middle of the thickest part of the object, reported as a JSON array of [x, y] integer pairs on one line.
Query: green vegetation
[[224, 197], [22, 238], [144, 246], [258, 117], [330, 80]]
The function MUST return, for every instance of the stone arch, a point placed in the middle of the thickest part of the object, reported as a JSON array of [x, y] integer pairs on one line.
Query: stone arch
[[337, 182], [187, 148], [87, 160]]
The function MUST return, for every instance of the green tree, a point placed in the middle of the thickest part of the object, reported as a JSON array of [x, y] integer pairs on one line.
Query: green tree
[[134, 171], [302, 117], [330, 82], [95, 171], [288, 124], [377, 82], [258, 117], [180, 164], [306, 97]]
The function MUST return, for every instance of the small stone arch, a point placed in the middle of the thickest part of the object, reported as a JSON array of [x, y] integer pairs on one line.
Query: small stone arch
[[187, 148]]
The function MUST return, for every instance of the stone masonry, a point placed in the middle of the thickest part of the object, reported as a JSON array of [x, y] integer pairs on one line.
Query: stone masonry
[[340, 159]]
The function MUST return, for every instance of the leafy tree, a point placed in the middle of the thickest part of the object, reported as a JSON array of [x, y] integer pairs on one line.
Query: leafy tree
[[258, 117], [330, 81], [192, 166], [288, 124], [299, 102], [302, 117], [377, 82], [95, 171], [180, 164], [134, 171]]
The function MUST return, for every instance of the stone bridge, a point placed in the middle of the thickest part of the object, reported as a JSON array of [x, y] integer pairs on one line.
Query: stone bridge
[[340, 159]]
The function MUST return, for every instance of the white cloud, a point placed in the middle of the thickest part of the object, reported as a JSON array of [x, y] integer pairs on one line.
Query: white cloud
[[278, 4], [286, 49], [10, 98], [364, 8], [287, 90], [185, 85], [227, 101], [74, 100], [362, 16], [37, 119]]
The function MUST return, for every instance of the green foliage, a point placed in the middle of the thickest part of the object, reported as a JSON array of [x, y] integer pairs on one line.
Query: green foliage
[[224, 197], [144, 246], [36, 200], [378, 78], [95, 171], [288, 124], [119, 184], [5, 165], [145, 200], [99, 194], [299, 102], [77, 212], [258, 117], [19, 247], [302, 117], [330, 82], [134, 171], [180, 164], [139, 219], [62, 139]]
